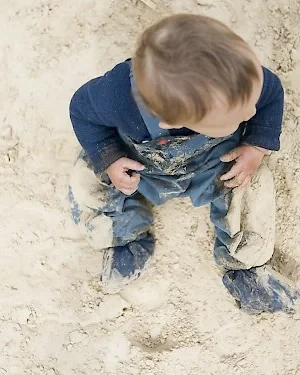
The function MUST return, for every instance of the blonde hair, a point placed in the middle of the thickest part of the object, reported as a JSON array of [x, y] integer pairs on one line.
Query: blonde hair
[[183, 60]]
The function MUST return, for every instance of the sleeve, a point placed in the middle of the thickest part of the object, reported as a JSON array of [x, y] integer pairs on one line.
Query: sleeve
[[264, 129], [99, 139]]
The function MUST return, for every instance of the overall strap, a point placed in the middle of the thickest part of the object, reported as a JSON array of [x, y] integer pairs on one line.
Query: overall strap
[[150, 121]]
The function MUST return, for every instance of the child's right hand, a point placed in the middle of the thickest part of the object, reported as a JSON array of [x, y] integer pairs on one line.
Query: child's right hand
[[126, 182]]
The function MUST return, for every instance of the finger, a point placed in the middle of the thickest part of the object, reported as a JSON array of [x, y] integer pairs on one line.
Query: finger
[[234, 171], [236, 181], [128, 185], [246, 182], [230, 156], [136, 177], [130, 180], [132, 164], [127, 191]]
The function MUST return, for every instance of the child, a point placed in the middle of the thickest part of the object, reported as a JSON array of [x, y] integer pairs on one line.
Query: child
[[191, 115]]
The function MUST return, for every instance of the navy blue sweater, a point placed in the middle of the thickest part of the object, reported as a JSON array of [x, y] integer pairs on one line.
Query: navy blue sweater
[[105, 105]]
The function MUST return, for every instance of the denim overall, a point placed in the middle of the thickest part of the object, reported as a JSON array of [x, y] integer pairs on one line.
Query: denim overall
[[176, 166]]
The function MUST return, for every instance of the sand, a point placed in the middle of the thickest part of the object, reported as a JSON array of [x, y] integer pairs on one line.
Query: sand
[[177, 319]]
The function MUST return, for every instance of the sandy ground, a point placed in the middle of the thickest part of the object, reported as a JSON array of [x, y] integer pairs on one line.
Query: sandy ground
[[177, 319]]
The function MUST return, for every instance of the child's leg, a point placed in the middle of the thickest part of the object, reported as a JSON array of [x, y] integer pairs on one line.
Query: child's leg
[[244, 220], [245, 231], [112, 221]]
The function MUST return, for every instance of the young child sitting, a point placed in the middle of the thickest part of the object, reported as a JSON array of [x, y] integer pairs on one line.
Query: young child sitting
[[191, 115]]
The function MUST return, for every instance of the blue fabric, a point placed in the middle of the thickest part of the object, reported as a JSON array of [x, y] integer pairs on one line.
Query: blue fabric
[[105, 107], [176, 166], [188, 166], [256, 290], [261, 290], [129, 258], [123, 264]]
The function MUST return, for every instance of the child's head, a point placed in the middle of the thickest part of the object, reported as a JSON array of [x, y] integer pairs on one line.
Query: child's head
[[193, 71]]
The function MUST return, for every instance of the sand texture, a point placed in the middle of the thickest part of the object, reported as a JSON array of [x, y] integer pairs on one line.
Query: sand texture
[[177, 319]]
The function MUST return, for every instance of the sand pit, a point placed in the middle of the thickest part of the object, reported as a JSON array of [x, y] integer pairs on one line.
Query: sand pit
[[177, 319]]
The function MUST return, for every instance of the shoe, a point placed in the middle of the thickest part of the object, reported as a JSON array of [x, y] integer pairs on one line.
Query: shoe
[[262, 289], [123, 264]]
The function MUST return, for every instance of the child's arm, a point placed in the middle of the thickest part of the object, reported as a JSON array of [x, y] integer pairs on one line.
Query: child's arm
[[96, 110], [262, 134], [264, 129], [99, 139]]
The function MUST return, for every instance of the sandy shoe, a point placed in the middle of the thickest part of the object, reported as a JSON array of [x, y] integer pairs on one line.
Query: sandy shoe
[[123, 264], [262, 289]]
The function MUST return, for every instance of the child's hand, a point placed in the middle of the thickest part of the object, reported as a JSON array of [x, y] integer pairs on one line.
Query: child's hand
[[126, 182], [247, 160]]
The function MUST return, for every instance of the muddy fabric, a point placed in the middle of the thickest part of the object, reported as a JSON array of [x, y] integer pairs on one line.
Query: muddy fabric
[[123, 264], [262, 289], [104, 214], [244, 221], [177, 167]]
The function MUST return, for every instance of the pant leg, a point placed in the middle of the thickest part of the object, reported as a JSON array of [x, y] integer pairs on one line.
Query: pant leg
[[106, 216], [244, 220]]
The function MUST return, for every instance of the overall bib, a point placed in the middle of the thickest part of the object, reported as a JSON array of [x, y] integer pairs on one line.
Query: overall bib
[[181, 166]]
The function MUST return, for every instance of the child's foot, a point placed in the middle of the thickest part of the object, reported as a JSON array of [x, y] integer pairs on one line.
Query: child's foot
[[123, 264], [262, 289]]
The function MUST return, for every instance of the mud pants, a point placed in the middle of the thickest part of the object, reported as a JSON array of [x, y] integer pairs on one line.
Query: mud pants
[[244, 219]]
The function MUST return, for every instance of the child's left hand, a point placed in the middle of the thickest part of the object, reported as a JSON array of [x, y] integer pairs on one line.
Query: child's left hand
[[247, 159]]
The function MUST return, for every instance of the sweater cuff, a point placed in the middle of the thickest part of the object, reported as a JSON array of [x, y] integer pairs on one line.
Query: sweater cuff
[[106, 156], [264, 137]]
